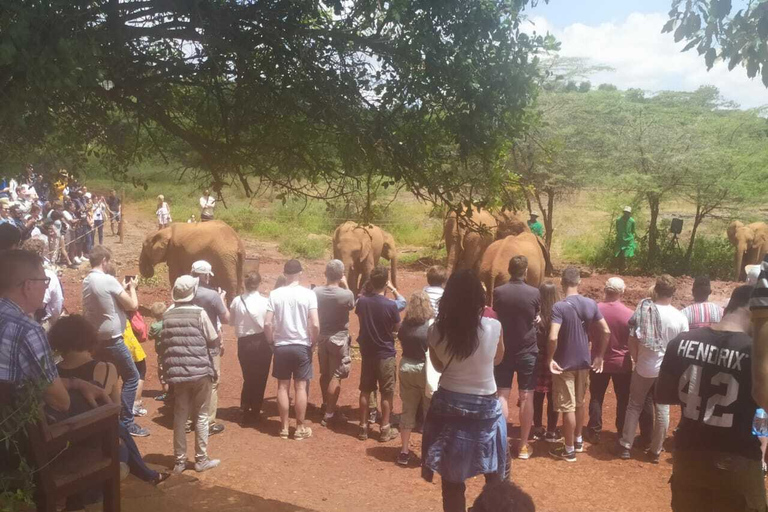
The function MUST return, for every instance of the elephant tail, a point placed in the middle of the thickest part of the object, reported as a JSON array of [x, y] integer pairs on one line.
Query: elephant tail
[[240, 271]]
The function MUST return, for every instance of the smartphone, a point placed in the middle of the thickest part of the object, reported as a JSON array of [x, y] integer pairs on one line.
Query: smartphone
[[129, 278]]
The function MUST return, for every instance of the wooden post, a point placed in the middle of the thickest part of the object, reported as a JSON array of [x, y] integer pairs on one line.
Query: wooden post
[[122, 218]]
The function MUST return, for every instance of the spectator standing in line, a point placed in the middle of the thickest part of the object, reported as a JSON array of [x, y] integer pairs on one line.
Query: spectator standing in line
[[717, 463], [188, 337], [379, 321], [412, 334], [157, 309], [549, 297], [254, 353], [207, 206], [569, 359], [215, 305], [140, 360], [518, 304], [53, 301], [163, 213], [702, 313], [617, 366], [653, 325], [334, 302], [113, 204], [98, 218], [5, 213], [105, 302], [437, 275], [292, 327], [464, 345]]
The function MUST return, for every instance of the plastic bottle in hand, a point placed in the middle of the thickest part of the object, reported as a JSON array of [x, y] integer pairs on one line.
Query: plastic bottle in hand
[[760, 423]]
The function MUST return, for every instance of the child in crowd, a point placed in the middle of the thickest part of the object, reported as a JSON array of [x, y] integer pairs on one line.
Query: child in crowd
[[436, 278], [140, 359], [155, 333], [549, 296]]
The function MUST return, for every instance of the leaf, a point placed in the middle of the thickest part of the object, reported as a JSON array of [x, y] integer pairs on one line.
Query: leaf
[[762, 27], [668, 26], [765, 75], [721, 8], [753, 66], [710, 57], [734, 61], [690, 45]]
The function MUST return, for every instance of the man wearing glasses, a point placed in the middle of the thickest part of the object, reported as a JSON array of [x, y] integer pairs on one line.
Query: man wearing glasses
[[25, 355]]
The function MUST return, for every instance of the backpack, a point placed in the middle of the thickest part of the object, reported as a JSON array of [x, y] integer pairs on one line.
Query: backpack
[[139, 327]]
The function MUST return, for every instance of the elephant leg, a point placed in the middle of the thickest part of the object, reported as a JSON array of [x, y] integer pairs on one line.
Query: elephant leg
[[352, 279], [229, 280], [365, 272]]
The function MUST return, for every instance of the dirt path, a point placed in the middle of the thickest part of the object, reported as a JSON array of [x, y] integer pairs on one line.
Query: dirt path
[[333, 471]]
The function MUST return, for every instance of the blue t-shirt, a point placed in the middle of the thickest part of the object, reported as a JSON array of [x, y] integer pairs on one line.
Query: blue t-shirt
[[574, 314], [378, 317]]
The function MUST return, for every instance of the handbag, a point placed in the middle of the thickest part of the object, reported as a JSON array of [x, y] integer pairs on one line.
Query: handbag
[[139, 327]]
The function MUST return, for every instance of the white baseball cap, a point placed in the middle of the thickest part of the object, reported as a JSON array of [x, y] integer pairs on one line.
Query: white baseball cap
[[202, 267], [628, 209], [615, 284]]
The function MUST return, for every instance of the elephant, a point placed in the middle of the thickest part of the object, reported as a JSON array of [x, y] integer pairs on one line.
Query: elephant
[[751, 243], [495, 263], [181, 244], [467, 238], [359, 247]]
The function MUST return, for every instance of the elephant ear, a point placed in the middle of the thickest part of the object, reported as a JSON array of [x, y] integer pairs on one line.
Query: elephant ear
[[159, 243], [732, 229]]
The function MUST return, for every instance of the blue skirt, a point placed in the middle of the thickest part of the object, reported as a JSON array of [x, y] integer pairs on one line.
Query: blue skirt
[[464, 436]]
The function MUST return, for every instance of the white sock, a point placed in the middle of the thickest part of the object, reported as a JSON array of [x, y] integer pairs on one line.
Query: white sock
[[328, 415], [569, 449], [579, 439]]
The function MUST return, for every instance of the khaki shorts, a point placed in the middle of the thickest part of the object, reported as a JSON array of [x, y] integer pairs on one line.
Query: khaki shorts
[[569, 389], [378, 371], [333, 356], [413, 383]]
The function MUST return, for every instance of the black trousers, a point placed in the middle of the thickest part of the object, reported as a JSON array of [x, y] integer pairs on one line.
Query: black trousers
[[255, 356], [453, 493], [598, 385], [538, 410]]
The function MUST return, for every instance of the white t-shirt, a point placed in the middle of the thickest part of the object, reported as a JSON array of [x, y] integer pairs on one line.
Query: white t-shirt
[[247, 313], [473, 375], [100, 304], [673, 322], [54, 297], [434, 293], [291, 306]]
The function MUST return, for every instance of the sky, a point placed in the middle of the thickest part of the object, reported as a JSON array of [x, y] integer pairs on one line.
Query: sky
[[626, 35]]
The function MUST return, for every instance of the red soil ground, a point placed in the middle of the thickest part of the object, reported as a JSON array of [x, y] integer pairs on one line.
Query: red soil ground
[[333, 471]]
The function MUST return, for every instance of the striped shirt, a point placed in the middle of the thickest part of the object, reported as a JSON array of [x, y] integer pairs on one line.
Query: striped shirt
[[759, 302], [24, 350], [703, 314]]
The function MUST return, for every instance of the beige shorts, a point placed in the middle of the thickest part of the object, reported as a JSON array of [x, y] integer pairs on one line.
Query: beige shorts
[[569, 389], [333, 356]]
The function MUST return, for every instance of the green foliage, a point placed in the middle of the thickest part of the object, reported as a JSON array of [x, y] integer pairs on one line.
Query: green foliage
[[716, 32]]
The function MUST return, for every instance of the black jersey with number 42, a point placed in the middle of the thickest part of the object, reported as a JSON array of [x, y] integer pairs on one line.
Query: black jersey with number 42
[[709, 373]]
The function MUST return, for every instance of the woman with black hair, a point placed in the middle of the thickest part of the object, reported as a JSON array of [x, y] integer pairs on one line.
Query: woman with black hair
[[465, 433]]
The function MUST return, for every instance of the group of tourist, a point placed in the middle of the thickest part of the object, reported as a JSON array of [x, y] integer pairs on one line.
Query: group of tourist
[[459, 359]]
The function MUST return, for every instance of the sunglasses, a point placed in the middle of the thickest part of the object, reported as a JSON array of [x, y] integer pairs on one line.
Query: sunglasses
[[46, 280]]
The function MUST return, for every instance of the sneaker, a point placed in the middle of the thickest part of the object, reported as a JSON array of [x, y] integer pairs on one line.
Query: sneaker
[[536, 434], [362, 434], [137, 431], [524, 453], [559, 452], [337, 419], [161, 397], [188, 427], [284, 433], [138, 410], [302, 433], [206, 464], [216, 428], [77, 261], [551, 437], [623, 453], [654, 458], [578, 446], [641, 445], [179, 468], [373, 416], [388, 434], [403, 459]]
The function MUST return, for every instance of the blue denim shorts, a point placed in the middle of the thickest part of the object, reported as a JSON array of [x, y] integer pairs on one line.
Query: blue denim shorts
[[292, 361]]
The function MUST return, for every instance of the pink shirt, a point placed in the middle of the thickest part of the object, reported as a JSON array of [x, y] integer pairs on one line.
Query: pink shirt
[[617, 316]]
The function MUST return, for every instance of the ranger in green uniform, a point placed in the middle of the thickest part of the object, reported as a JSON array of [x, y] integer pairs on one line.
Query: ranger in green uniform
[[625, 237], [536, 227]]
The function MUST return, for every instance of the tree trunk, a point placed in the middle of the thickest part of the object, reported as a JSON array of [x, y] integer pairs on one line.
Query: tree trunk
[[548, 220], [653, 228], [697, 219]]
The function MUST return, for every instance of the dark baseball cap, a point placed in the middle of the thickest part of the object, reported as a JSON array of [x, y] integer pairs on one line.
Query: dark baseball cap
[[292, 267]]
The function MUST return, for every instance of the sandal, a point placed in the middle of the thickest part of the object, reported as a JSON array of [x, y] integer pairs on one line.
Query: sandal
[[161, 477]]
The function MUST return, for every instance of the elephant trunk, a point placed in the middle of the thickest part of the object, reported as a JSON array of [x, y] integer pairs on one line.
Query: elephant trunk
[[740, 250], [146, 267]]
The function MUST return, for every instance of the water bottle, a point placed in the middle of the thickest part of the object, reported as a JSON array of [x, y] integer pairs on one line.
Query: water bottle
[[760, 423]]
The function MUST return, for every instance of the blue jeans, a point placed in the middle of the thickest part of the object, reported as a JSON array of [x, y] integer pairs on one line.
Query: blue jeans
[[99, 225], [118, 354]]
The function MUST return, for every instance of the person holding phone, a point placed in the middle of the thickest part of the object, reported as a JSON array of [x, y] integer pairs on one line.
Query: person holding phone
[[105, 302]]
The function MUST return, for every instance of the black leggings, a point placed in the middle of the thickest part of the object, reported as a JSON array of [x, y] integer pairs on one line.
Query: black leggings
[[453, 494], [538, 410]]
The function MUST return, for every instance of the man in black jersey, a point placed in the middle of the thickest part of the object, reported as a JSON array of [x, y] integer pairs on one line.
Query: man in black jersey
[[708, 371]]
